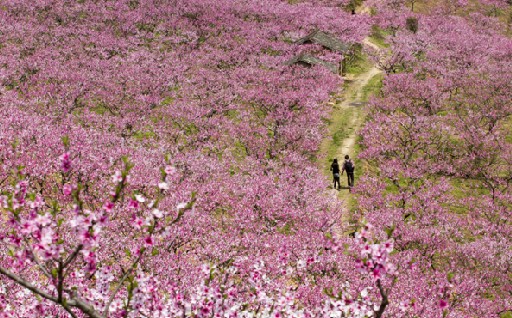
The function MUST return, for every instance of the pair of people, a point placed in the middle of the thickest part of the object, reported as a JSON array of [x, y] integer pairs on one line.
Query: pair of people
[[348, 166]]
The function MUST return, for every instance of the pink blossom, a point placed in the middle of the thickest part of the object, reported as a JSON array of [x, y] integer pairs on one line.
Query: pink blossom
[[65, 162], [140, 198], [117, 177], [157, 213], [170, 170], [3, 201], [137, 222], [163, 186], [108, 206], [37, 203], [134, 204], [67, 189], [149, 241]]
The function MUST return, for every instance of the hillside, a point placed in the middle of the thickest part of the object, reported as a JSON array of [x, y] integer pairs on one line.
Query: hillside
[[169, 158]]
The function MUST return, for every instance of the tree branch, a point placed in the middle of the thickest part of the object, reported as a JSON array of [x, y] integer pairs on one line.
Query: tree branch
[[83, 306], [60, 282], [27, 285], [73, 255], [118, 287], [384, 302], [70, 312], [75, 302], [36, 260]]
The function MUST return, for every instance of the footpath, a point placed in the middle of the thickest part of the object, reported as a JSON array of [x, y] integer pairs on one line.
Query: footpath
[[347, 116]]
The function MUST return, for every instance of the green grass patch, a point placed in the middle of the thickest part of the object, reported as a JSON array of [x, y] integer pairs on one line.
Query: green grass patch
[[143, 135], [167, 101], [507, 314], [357, 64], [270, 51], [239, 151], [339, 129], [507, 127], [378, 37], [100, 108], [361, 169], [462, 187], [373, 87]]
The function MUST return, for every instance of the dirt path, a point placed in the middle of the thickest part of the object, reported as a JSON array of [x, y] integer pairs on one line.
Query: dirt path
[[352, 97], [348, 109], [355, 100]]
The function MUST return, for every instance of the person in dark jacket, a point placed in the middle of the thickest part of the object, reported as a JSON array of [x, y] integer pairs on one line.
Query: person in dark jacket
[[335, 168], [349, 167]]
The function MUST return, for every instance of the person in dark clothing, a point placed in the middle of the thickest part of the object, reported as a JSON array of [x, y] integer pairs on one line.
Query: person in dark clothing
[[349, 167], [335, 168]]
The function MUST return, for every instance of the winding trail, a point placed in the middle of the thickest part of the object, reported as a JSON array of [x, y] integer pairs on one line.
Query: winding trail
[[348, 104], [356, 89]]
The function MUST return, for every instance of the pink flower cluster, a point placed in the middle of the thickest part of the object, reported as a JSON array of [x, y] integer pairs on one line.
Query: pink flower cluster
[[374, 257]]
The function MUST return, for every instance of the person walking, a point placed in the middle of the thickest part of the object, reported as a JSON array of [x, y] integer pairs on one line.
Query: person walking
[[335, 168], [349, 167]]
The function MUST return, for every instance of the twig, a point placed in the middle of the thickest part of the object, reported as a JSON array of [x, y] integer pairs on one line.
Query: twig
[[75, 302], [73, 255], [384, 302], [34, 257], [84, 307], [60, 282], [70, 311], [125, 276], [27, 285]]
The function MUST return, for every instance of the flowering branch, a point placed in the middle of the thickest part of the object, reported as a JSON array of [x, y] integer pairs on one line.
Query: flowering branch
[[384, 302]]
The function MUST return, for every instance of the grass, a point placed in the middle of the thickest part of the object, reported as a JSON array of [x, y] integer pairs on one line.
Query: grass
[[373, 87], [358, 64], [340, 120], [380, 42], [378, 37], [339, 129], [507, 127], [361, 169], [507, 314], [340, 124]]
